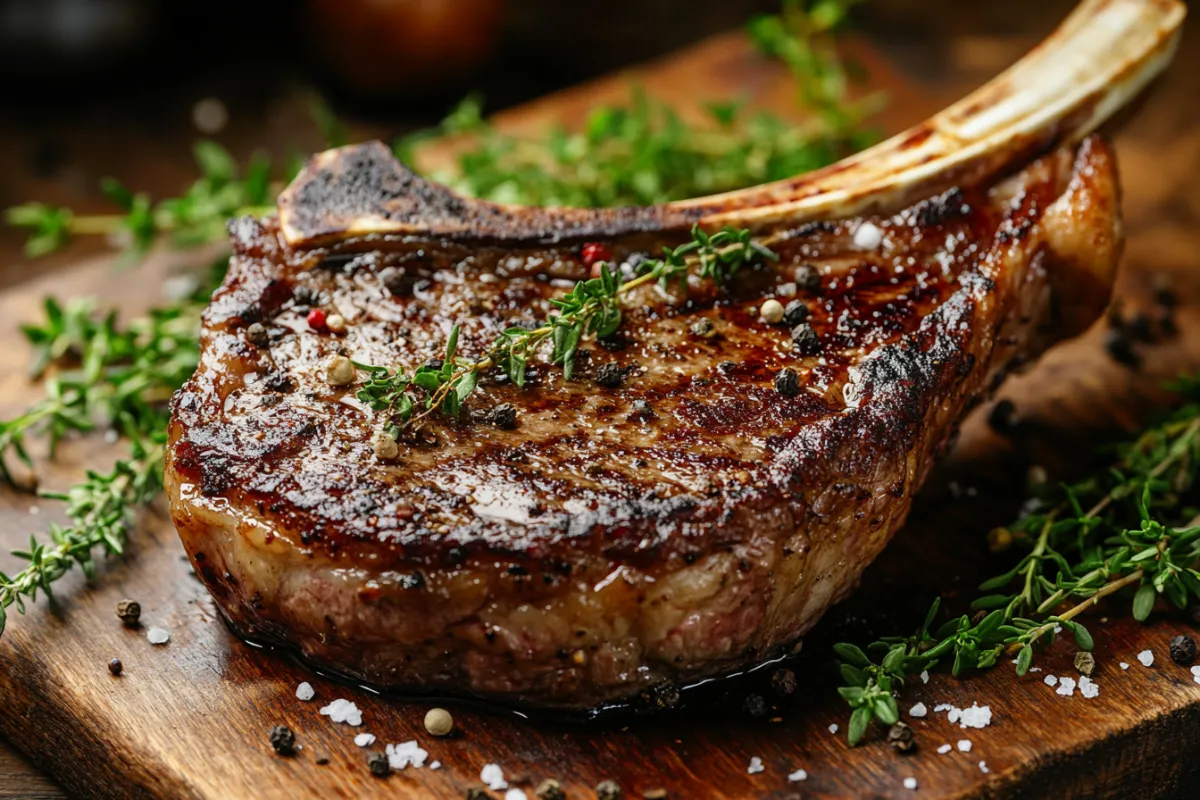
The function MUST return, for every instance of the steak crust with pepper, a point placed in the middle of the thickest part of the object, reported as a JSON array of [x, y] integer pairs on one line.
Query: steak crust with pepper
[[694, 516]]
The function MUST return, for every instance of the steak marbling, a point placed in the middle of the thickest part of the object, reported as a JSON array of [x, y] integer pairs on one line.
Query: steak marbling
[[688, 521]]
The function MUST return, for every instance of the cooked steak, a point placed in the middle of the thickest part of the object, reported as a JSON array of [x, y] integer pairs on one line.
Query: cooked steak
[[703, 487]]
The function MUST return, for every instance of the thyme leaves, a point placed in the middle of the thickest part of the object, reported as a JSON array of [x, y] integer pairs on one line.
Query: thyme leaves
[[1129, 526], [592, 308]]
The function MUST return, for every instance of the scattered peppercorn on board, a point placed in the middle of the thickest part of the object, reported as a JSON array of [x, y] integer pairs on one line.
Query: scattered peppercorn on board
[[193, 718]]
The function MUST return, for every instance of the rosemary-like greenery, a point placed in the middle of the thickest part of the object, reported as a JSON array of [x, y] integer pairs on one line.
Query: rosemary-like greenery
[[1127, 528], [99, 374], [591, 308]]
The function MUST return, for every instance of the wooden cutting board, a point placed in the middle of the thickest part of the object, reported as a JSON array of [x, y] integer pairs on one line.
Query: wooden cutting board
[[190, 719]]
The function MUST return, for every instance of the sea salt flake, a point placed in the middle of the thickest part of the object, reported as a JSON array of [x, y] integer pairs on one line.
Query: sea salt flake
[[406, 754], [833, 728], [976, 716], [158, 636], [945, 749], [493, 776], [305, 692], [983, 767], [1066, 687], [1124, 665], [797, 776], [343, 711], [868, 236], [364, 739], [1035, 669], [435, 765], [953, 716], [755, 767], [918, 710], [1146, 657], [964, 745], [1088, 687], [925, 676], [1050, 680], [943, 707], [515, 794], [910, 783]]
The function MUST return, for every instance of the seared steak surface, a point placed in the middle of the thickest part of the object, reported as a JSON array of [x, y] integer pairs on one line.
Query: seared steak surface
[[666, 514]]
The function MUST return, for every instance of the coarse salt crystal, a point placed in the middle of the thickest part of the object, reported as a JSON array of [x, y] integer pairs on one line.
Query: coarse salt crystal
[[1066, 686], [918, 710], [1124, 665], [406, 754], [945, 749], [797, 776], [1196, 674], [943, 707], [1035, 669], [756, 766], [976, 716], [910, 783], [833, 728], [435, 765], [964, 745], [364, 739], [493, 776], [983, 767], [158, 636], [342, 710], [305, 692], [868, 236], [1088, 687], [953, 716], [1146, 657], [925, 676], [1050, 680], [515, 794]]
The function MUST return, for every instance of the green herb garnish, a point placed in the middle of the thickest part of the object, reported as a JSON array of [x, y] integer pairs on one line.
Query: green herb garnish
[[1128, 526]]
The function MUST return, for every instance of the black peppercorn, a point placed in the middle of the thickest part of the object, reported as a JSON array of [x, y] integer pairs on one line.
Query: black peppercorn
[[1164, 295], [550, 789], [702, 328], [794, 313], [805, 340], [257, 335], [278, 381], [503, 415], [787, 382], [1002, 417], [305, 296], [755, 705], [1183, 650], [901, 738], [130, 611], [1120, 348], [433, 364], [807, 278], [115, 667], [783, 681], [283, 740], [1139, 327], [321, 758], [378, 764], [608, 790], [392, 280], [610, 375]]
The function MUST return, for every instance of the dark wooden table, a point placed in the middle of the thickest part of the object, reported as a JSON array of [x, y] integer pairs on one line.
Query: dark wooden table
[[944, 45]]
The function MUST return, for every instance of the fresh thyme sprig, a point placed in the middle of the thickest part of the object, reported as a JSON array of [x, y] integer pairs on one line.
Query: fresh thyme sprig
[[101, 510], [644, 152], [591, 308], [196, 217], [96, 372], [1129, 525]]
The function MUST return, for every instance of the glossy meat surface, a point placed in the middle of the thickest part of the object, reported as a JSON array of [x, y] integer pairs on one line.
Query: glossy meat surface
[[691, 519]]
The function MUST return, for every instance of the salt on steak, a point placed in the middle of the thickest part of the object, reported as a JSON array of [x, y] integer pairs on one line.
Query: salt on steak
[[677, 508]]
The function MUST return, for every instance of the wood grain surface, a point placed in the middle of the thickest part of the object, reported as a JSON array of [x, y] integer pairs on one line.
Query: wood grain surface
[[190, 719]]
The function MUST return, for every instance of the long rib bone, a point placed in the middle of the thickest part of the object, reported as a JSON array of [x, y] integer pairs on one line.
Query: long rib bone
[[1097, 61]]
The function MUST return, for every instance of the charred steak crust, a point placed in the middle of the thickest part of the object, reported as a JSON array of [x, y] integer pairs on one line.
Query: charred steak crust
[[687, 521]]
